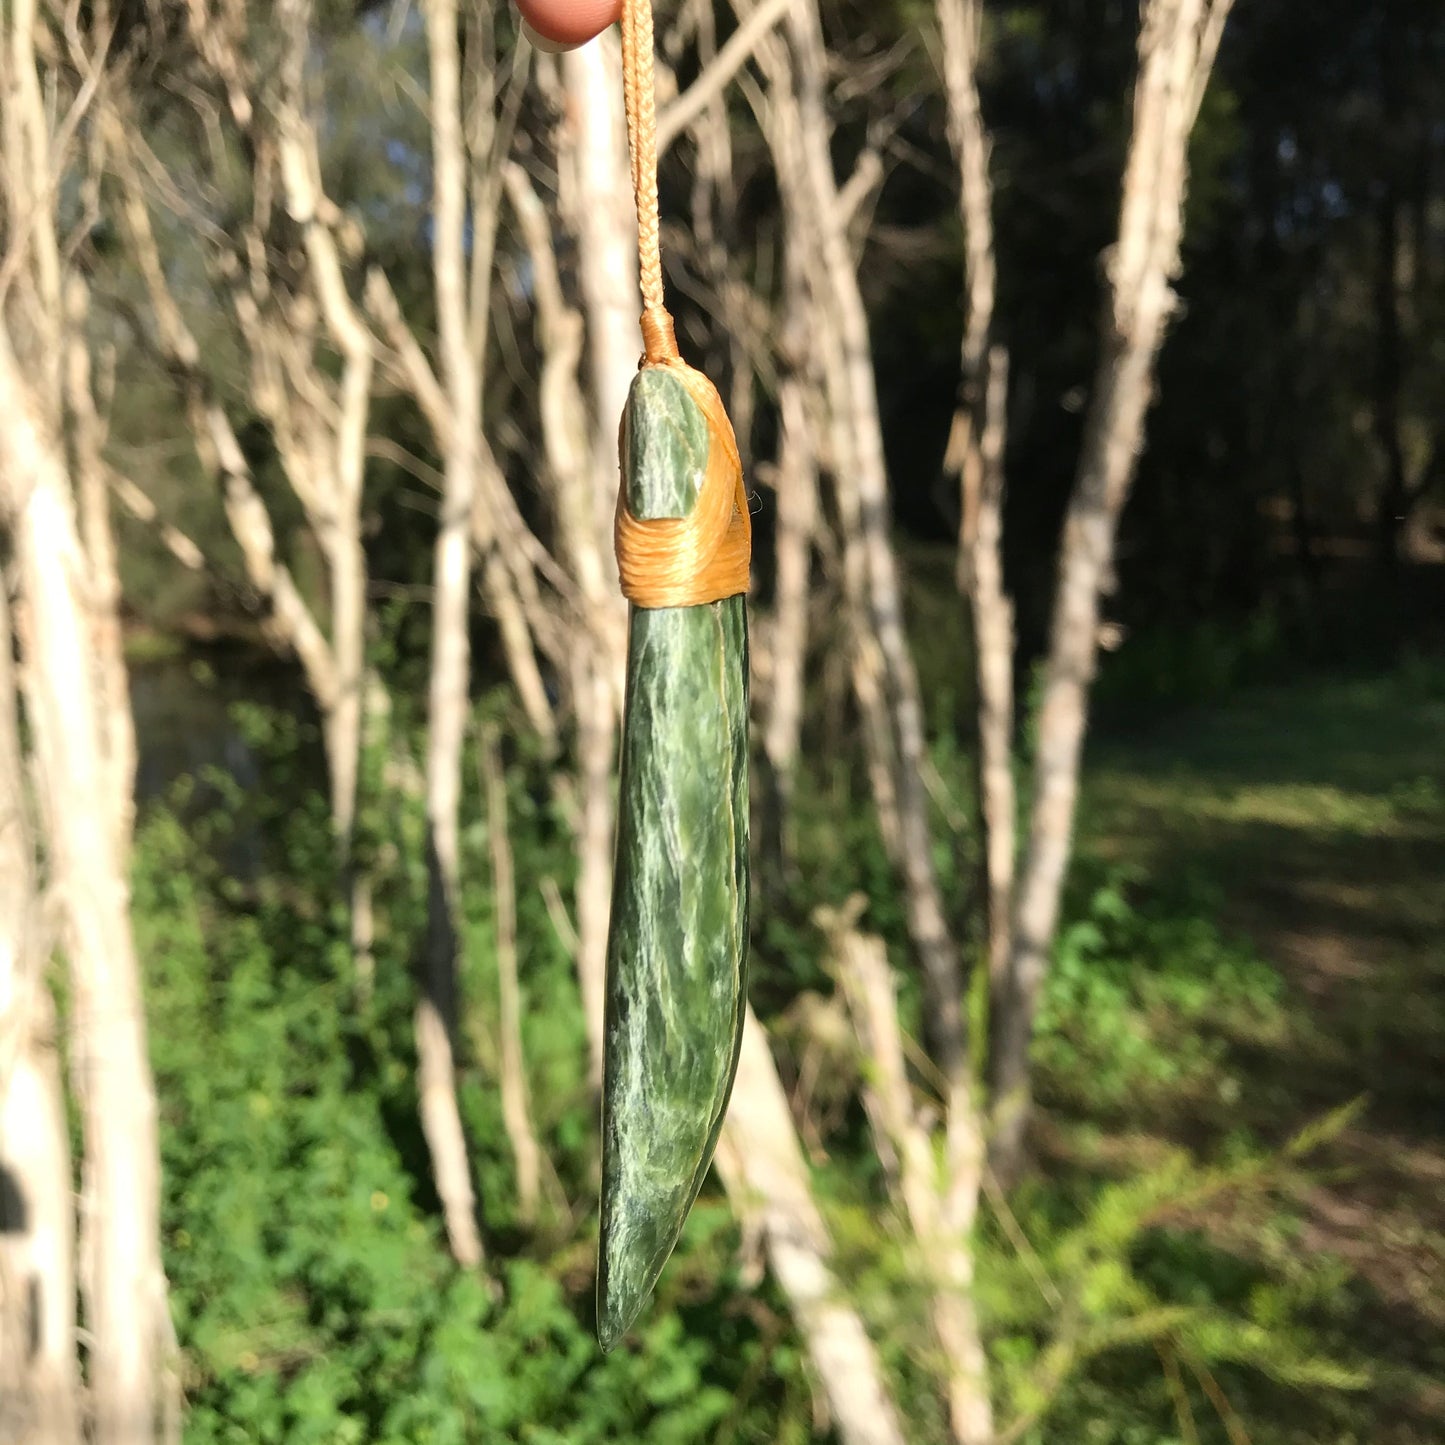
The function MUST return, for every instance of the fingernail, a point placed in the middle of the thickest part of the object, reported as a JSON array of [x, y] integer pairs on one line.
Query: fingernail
[[540, 42]]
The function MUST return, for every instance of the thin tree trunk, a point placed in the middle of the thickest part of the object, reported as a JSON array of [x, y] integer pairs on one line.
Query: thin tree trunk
[[993, 630], [436, 1015], [719, 68], [797, 521], [39, 1379], [596, 749], [1177, 45], [507, 550], [92, 491], [122, 1281], [931, 1197], [977, 450], [597, 201], [516, 1105], [602, 218], [762, 1165], [571, 465], [74, 681], [860, 475], [339, 516], [39, 1374]]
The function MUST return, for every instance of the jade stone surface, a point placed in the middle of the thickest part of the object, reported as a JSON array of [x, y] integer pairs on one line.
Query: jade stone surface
[[677, 952]]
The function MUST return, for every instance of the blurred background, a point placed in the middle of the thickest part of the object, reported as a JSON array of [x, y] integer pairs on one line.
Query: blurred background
[[1087, 364]]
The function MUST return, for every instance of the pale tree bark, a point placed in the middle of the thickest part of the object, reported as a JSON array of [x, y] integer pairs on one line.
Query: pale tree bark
[[135, 501], [436, 1015], [976, 451], [596, 639], [92, 490], [939, 1195], [511, 557], [797, 523], [790, 141], [927, 1185], [471, 131], [509, 552], [884, 677], [762, 1165], [336, 512], [767, 346], [39, 1369], [720, 69], [595, 200], [1177, 46], [121, 1277], [74, 680], [993, 630], [473, 119], [291, 330]]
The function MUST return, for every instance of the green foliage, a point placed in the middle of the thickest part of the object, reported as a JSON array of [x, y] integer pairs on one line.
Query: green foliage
[[1096, 1281], [313, 1295], [1111, 1260], [1143, 1001], [1173, 667], [1159, 1255]]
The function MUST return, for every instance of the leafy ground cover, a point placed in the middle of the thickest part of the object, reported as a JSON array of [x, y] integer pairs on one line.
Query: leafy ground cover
[[1235, 1232]]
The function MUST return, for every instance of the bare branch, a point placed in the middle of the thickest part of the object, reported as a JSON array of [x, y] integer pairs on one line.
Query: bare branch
[[740, 48], [408, 359], [291, 622], [143, 509]]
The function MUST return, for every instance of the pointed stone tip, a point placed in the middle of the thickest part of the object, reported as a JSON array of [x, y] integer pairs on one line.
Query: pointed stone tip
[[615, 1316]]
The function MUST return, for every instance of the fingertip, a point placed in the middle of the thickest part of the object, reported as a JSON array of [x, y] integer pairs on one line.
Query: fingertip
[[541, 42], [554, 25]]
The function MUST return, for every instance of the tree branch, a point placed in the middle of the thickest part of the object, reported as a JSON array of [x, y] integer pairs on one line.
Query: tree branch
[[740, 48]]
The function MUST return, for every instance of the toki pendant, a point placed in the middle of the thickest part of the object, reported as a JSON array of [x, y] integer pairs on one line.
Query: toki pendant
[[677, 951]]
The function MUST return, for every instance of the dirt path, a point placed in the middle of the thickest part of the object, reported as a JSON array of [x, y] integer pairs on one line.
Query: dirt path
[[1318, 811]]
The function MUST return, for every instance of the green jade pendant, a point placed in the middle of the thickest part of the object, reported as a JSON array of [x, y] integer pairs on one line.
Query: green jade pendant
[[677, 952]]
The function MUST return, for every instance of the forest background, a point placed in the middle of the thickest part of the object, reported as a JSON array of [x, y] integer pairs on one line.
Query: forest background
[[1085, 358]]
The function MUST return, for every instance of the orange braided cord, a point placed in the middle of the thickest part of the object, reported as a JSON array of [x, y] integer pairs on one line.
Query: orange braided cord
[[705, 556], [641, 105]]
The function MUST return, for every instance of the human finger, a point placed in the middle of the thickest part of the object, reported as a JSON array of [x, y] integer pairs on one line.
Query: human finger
[[565, 24]]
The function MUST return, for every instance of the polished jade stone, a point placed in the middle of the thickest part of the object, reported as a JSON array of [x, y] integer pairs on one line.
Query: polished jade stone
[[677, 953]]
